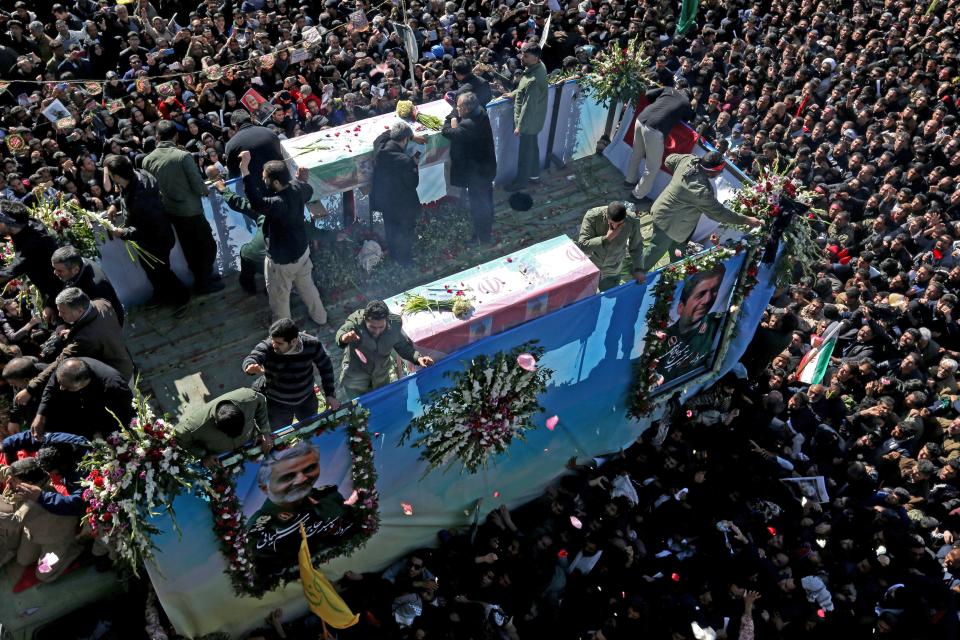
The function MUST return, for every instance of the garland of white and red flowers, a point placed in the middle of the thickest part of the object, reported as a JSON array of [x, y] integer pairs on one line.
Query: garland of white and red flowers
[[490, 404], [230, 526], [133, 476]]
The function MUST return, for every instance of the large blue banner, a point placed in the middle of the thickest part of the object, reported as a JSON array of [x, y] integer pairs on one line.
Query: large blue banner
[[589, 345]]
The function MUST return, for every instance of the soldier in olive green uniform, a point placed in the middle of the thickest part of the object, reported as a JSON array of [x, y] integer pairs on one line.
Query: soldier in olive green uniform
[[224, 424], [678, 208], [691, 339], [368, 338], [529, 114], [606, 234], [287, 478], [254, 252]]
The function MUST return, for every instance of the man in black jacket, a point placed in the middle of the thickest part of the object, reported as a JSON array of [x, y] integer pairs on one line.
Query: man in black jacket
[[288, 261], [264, 146], [667, 107], [33, 245], [84, 397], [394, 192], [467, 81], [473, 160], [147, 225], [262, 143], [76, 271]]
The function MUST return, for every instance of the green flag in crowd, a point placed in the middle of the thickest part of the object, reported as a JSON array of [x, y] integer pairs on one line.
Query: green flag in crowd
[[688, 15]]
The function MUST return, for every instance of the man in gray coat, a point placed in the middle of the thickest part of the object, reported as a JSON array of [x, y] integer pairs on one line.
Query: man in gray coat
[[677, 209], [181, 188]]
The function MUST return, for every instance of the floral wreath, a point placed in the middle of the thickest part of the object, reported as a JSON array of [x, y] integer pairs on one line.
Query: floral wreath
[[763, 199], [620, 75], [489, 404], [229, 523], [133, 476]]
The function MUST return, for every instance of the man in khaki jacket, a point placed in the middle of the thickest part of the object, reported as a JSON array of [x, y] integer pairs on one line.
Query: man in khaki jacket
[[369, 337], [225, 424], [529, 114], [182, 190], [678, 208], [606, 234]]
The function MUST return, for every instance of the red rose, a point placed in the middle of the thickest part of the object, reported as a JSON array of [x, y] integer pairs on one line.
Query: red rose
[[98, 481], [775, 211]]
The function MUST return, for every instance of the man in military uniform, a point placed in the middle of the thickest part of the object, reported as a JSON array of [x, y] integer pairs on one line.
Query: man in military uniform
[[224, 424], [606, 233], [368, 338], [287, 479], [677, 209], [254, 252], [690, 339]]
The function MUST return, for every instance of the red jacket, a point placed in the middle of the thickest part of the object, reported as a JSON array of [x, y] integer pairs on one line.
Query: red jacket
[[165, 108]]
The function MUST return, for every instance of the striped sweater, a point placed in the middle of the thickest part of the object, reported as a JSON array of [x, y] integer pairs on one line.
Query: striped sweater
[[289, 378]]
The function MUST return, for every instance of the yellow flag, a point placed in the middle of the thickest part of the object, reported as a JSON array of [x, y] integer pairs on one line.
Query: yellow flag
[[321, 596]]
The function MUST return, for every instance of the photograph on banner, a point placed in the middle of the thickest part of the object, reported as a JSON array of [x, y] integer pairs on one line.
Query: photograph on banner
[[299, 55], [808, 489], [308, 483], [257, 105], [698, 316], [55, 111]]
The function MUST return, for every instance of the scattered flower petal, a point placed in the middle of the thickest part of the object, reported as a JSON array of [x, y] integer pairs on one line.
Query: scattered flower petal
[[45, 565], [407, 508], [527, 362], [552, 422]]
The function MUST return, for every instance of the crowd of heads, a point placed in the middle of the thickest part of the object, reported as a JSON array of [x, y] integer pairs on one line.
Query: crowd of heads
[[713, 528]]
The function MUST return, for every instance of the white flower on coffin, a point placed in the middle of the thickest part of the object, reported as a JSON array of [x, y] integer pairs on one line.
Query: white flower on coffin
[[45, 564]]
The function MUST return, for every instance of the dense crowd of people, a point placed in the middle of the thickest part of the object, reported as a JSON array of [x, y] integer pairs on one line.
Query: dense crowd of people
[[705, 534]]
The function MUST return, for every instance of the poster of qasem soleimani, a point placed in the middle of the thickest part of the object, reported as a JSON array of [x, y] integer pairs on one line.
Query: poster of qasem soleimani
[[307, 484], [698, 317]]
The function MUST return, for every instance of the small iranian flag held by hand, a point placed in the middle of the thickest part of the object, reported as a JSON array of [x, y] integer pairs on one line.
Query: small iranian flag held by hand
[[813, 365]]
